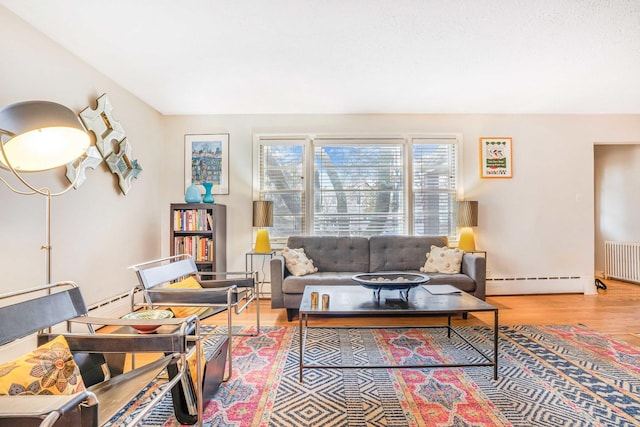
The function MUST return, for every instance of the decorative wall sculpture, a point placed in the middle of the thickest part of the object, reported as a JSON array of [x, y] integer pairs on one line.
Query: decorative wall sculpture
[[111, 145]]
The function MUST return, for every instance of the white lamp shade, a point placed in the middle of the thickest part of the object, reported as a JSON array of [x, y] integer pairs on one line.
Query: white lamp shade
[[42, 135]]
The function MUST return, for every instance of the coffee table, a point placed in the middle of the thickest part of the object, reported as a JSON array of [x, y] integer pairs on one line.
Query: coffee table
[[350, 301]]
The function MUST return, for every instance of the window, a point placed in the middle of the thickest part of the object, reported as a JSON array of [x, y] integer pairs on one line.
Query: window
[[434, 186], [358, 186], [281, 166]]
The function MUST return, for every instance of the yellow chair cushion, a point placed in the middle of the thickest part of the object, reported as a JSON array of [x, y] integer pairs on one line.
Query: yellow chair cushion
[[49, 369], [188, 283]]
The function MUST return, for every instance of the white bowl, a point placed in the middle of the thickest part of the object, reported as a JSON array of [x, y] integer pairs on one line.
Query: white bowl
[[148, 315]]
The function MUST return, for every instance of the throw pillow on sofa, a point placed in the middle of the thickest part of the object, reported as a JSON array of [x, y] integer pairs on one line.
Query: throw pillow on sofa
[[297, 262], [443, 260], [49, 369]]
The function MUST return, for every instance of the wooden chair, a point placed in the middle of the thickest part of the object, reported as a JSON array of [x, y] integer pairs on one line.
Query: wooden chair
[[51, 307], [222, 291]]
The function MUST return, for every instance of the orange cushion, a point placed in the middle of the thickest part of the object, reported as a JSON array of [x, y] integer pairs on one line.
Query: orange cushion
[[49, 369], [188, 283]]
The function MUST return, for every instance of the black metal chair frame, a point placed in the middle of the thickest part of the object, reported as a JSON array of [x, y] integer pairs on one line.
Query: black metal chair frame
[[40, 310], [226, 290]]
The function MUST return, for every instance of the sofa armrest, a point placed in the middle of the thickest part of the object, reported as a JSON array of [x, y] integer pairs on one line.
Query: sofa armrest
[[475, 267], [278, 271]]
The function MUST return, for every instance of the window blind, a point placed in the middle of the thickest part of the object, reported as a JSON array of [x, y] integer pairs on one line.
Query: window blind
[[281, 179], [434, 186], [358, 187]]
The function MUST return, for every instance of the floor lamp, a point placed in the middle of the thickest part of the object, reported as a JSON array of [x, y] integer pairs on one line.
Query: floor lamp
[[37, 136]]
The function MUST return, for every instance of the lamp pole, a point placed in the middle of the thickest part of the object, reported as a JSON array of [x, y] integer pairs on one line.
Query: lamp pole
[[47, 244], [42, 135]]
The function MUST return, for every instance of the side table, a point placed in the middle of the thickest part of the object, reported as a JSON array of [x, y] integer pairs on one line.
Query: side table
[[249, 265]]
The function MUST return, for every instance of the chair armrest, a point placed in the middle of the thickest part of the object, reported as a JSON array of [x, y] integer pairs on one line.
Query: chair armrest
[[217, 279], [224, 274], [277, 276], [171, 338]]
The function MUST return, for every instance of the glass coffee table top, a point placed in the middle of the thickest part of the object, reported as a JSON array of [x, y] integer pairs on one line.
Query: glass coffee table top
[[351, 300]]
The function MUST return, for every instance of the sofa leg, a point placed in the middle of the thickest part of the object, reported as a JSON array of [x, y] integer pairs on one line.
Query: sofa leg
[[465, 315], [291, 313]]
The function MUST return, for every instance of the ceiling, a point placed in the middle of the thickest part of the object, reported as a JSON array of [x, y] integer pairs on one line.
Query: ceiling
[[357, 56]]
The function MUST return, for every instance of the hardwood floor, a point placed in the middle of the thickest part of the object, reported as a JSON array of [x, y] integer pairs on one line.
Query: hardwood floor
[[614, 311]]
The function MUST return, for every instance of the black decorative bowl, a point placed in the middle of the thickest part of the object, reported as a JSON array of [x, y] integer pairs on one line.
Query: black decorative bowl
[[390, 281]]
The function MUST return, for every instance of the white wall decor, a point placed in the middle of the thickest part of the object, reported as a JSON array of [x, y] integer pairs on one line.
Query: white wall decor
[[111, 144]]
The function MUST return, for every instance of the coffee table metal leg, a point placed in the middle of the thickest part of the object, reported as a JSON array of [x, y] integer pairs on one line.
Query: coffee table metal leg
[[495, 345], [449, 326], [300, 315]]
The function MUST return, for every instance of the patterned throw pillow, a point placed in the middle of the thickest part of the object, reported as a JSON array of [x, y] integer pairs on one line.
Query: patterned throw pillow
[[297, 262], [49, 369], [188, 283], [443, 260]]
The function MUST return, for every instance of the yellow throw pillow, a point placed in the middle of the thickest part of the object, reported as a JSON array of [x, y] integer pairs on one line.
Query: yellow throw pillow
[[188, 283], [49, 369]]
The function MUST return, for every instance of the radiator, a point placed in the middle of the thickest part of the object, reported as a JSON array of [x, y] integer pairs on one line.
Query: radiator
[[622, 261]]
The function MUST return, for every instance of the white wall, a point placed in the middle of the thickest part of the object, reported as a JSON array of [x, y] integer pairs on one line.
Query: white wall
[[538, 224], [617, 196], [96, 231]]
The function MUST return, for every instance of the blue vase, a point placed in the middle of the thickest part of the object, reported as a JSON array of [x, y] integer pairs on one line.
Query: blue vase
[[192, 195], [208, 197]]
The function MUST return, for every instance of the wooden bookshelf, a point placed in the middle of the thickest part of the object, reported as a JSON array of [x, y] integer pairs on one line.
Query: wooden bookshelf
[[200, 229]]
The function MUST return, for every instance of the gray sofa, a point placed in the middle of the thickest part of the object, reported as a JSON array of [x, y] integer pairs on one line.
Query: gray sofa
[[339, 258]]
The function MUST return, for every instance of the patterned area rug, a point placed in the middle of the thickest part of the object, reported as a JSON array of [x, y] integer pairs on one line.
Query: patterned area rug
[[548, 376]]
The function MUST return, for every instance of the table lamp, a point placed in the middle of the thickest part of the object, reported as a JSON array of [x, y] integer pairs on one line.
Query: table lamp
[[262, 217], [37, 136], [467, 218]]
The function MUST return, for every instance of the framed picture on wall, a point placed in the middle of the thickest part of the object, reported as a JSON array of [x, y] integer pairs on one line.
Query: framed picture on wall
[[206, 159], [495, 157]]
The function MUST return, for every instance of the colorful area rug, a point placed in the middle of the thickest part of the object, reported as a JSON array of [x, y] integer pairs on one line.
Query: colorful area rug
[[548, 376]]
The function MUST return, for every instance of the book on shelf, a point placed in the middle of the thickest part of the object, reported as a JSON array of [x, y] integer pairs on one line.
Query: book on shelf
[[192, 220], [199, 247]]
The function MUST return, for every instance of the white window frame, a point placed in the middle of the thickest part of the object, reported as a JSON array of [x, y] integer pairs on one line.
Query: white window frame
[[307, 141]]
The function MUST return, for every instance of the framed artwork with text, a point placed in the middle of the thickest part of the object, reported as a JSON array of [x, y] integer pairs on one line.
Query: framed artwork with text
[[496, 157]]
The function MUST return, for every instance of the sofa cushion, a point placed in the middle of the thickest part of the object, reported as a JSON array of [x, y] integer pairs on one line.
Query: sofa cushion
[[401, 253], [460, 281], [330, 253], [296, 284], [443, 260], [297, 262]]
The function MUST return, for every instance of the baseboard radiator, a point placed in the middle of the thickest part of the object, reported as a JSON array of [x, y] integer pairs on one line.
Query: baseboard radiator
[[622, 261], [539, 285], [115, 306]]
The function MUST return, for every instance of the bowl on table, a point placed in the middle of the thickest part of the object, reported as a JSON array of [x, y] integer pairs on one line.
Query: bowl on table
[[148, 315]]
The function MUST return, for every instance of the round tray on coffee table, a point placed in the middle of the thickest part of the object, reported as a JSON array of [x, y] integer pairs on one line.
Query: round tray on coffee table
[[402, 282]]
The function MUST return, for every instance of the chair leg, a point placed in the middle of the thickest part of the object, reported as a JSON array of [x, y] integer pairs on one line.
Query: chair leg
[[230, 337], [257, 291]]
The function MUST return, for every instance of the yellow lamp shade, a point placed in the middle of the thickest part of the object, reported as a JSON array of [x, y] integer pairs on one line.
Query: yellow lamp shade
[[467, 241], [262, 241]]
